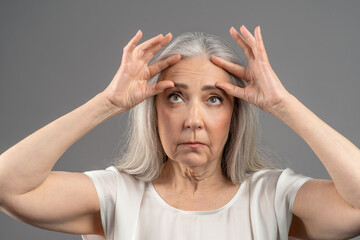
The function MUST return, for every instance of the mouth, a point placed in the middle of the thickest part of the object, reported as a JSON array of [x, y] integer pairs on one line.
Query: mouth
[[193, 144]]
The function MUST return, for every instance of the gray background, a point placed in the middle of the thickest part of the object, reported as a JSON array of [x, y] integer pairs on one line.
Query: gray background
[[56, 55]]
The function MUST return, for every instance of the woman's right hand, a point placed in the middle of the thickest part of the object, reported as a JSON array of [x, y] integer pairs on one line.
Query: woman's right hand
[[128, 87]]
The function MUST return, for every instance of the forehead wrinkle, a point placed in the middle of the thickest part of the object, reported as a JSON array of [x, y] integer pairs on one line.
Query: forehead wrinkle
[[180, 74], [207, 87], [197, 68], [175, 73]]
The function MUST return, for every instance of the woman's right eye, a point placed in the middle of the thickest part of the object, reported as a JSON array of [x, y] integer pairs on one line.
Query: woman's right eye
[[174, 97]]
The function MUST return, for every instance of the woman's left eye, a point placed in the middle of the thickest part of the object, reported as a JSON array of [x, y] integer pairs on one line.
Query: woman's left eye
[[215, 100]]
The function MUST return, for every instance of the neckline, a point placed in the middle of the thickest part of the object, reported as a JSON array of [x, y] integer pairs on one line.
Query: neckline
[[176, 210]]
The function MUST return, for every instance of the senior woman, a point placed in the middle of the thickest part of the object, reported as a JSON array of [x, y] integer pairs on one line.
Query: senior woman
[[192, 169]]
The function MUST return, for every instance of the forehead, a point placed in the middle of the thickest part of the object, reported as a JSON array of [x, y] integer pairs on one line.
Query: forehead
[[199, 69]]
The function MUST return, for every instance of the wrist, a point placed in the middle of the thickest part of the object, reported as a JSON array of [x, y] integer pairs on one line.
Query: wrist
[[108, 107], [284, 107]]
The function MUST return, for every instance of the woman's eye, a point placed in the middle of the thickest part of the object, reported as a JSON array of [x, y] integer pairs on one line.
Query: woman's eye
[[215, 100], [174, 97]]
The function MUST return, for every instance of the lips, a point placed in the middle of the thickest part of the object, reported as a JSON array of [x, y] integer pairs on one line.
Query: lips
[[193, 144]]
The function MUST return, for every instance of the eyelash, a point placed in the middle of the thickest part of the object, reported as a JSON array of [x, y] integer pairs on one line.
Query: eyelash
[[178, 94]]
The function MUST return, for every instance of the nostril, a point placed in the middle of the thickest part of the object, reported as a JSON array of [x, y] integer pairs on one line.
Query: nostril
[[193, 123]]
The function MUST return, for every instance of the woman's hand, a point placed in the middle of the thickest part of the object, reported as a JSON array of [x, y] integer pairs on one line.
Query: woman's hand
[[128, 87], [263, 88]]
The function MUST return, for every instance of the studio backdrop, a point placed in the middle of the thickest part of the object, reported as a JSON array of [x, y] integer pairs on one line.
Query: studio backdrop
[[56, 55]]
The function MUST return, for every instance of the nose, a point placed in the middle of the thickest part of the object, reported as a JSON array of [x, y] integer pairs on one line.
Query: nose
[[194, 117]]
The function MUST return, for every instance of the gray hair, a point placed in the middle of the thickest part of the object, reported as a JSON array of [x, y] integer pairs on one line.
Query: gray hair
[[143, 155]]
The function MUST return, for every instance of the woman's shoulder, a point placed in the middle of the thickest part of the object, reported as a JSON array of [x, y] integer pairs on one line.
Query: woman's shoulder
[[280, 184], [111, 181], [265, 174], [277, 177], [275, 187], [124, 176], [112, 176], [274, 172]]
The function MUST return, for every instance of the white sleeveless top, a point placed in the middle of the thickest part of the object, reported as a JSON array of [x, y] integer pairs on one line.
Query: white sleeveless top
[[133, 210]]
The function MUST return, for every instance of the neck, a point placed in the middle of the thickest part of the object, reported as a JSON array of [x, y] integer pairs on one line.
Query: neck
[[195, 179]]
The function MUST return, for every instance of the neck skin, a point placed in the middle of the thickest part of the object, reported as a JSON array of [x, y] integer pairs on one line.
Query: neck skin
[[195, 180]]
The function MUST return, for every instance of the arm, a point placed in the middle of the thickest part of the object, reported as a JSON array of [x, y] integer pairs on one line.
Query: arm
[[339, 156], [31, 193], [334, 211], [38, 153], [319, 204], [67, 202]]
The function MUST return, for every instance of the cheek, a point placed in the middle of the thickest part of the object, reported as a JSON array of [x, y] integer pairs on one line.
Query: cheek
[[219, 124], [168, 124]]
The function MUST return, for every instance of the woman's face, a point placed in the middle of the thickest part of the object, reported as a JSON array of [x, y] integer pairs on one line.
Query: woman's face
[[194, 111]]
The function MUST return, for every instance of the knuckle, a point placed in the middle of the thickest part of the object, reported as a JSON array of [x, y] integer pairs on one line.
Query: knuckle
[[140, 52], [261, 47], [235, 90]]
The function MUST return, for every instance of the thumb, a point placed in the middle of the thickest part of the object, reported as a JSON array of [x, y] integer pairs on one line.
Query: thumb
[[231, 89], [159, 87]]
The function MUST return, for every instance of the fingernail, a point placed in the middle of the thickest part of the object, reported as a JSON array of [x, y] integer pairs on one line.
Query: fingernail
[[171, 84], [168, 34], [218, 84], [138, 31], [259, 30]]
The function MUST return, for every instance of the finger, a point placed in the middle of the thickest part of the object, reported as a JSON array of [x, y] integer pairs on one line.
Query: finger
[[231, 89], [159, 87], [151, 51], [260, 45], [233, 68], [242, 42], [157, 67], [141, 49], [248, 37], [132, 43]]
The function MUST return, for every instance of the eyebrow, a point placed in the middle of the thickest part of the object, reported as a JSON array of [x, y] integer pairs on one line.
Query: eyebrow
[[206, 87]]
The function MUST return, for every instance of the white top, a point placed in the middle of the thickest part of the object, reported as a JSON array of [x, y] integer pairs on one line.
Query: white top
[[133, 210]]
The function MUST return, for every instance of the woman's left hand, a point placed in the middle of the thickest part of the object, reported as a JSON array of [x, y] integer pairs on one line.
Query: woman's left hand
[[263, 88]]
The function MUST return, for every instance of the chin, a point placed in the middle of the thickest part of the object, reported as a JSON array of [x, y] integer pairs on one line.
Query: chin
[[191, 160]]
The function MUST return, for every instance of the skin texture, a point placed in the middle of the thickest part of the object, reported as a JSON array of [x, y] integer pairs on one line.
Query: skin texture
[[194, 114]]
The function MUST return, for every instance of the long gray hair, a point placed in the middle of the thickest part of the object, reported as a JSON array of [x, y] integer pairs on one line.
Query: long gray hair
[[143, 155]]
